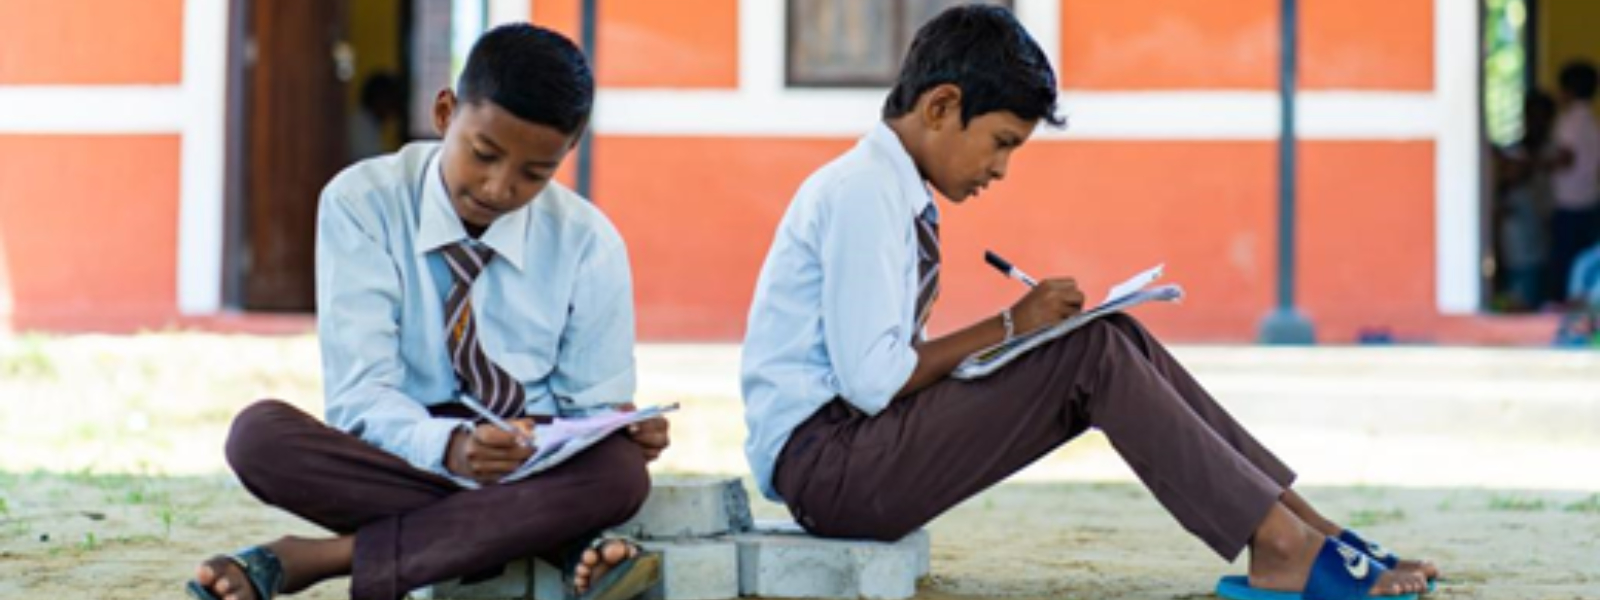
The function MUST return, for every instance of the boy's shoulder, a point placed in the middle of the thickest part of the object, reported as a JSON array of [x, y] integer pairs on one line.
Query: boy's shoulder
[[865, 169], [562, 209], [382, 179]]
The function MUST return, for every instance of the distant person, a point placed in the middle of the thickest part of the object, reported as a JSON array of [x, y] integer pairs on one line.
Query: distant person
[[382, 103], [1525, 203], [1575, 174]]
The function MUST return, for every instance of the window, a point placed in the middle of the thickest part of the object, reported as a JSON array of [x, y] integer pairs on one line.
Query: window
[[857, 43]]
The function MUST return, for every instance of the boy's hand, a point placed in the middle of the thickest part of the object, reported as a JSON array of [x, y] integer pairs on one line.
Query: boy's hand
[[488, 452], [651, 435], [1049, 303]]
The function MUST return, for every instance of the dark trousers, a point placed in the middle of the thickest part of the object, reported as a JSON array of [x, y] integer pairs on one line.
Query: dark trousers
[[845, 474], [1571, 232], [413, 528]]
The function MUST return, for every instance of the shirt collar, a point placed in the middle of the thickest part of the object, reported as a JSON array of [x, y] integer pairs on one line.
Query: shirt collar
[[915, 189], [439, 225]]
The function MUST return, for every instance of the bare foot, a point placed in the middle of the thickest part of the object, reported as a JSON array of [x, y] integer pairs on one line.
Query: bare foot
[[594, 564], [225, 579], [1303, 509], [1425, 568], [1284, 549], [304, 561]]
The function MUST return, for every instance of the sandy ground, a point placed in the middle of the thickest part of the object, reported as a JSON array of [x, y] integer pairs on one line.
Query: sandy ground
[[112, 483]]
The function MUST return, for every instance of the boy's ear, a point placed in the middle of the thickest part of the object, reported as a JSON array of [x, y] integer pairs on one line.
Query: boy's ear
[[939, 104], [444, 109]]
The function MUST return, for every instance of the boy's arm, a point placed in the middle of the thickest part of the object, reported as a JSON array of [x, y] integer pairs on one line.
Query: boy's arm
[[864, 292], [1046, 304], [594, 364], [358, 317]]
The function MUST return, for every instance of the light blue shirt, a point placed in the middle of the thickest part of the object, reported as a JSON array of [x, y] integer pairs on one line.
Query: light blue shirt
[[833, 313], [554, 306]]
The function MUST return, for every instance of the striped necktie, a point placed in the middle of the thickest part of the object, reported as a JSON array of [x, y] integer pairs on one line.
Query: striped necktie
[[497, 389], [927, 225]]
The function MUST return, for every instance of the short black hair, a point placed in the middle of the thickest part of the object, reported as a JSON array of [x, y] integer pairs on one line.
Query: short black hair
[[983, 50], [1578, 79], [532, 72]]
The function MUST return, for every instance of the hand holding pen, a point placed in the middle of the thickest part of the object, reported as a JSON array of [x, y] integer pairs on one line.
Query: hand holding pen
[[491, 450], [1047, 302]]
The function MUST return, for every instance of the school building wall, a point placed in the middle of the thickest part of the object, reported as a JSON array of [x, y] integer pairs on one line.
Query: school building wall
[[111, 167]]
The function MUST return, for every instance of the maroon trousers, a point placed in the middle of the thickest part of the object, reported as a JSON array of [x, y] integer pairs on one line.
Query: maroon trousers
[[846, 474], [413, 528]]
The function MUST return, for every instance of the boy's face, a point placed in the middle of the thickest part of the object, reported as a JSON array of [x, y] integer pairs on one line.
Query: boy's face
[[961, 161], [494, 162]]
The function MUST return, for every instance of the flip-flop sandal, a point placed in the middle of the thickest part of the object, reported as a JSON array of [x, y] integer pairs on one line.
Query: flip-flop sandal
[[1339, 572], [260, 567], [1376, 552], [630, 578]]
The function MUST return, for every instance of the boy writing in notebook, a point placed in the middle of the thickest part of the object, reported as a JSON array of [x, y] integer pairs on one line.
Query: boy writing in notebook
[[449, 270], [856, 426]]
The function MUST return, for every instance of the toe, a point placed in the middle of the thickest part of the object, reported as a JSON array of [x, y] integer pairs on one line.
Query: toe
[[616, 552]]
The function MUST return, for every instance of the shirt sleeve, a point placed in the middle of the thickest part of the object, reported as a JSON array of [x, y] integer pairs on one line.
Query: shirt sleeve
[[864, 297], [358, 317], [594, 364]]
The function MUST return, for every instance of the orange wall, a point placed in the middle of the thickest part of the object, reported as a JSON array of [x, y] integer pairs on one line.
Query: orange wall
[[1206, 44], [1367, 236], [699, 215], [101, 42], [676, 44], [88, 229]]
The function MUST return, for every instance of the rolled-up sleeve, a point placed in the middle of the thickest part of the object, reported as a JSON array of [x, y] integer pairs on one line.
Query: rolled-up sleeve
[[862, 251], [595, 364], [358, 322]]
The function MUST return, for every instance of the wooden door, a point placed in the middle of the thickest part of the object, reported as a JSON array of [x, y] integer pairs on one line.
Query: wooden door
[[295, 142]]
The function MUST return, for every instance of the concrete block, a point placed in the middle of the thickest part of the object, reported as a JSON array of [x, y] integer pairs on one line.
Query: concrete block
[[778, 560], [515, 584], [684, 507], [547, 582], [698, 569]]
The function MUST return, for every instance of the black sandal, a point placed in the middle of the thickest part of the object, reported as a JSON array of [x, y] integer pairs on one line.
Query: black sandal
[[627, 579], [261, 568]]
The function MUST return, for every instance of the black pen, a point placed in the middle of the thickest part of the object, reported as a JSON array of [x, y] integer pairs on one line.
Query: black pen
[[1008, 269]]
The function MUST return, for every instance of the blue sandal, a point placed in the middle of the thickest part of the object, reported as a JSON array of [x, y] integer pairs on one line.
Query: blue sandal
[[1375, 551], [259, 565], [1339, 572], [633, 576]]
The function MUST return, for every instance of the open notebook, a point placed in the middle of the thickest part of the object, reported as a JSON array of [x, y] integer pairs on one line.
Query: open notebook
[[1124, 296], [562, 439]]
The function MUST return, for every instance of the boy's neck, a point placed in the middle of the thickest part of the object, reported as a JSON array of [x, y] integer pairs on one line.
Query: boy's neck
[[910, 139], [473, 231]]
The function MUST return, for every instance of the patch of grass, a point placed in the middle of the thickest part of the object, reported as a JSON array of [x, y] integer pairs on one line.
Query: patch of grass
[[170, 514], [1371, 516], [89, 542], [1516, 504], [28, 360], [1590, 505]]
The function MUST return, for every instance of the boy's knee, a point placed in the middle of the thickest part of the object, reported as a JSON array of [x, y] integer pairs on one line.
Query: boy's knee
[[251, 439], [621, 478]]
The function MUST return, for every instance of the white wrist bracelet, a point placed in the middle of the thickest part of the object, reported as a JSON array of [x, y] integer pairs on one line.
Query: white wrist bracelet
[[1005, 317]]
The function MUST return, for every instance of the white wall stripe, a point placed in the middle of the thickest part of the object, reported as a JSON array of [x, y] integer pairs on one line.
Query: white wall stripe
[[200, 196], [1184, 115], [510, 11], [1457, 157], [112, 109]]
